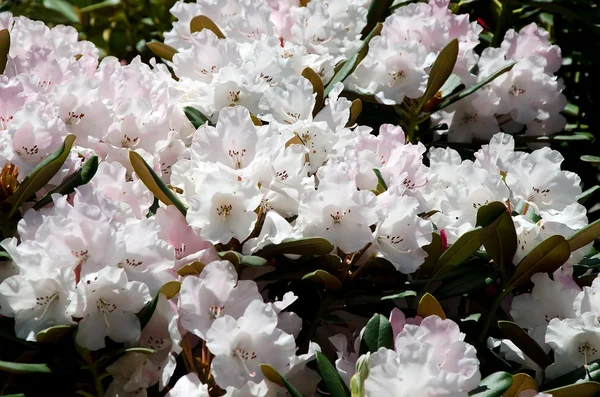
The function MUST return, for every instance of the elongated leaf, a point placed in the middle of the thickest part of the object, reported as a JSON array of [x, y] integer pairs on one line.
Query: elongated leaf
[[100, 6], [524, 342], [434, 251], [63, 7], [41, 175], [80, 177], [146, 313], [378, 333], [378, 10], [440, 71], [201, 22], [493, 386], [584, 389], [324, 279], [548, 256], [238, 259], [54, 334], [318, 88], [162, 50], [475, 279], [355, 111], [400, 295], [353, 61], [590, 159], [592, 372], [468, 91], [154, 183], [521, 382], [4, 48], [331, 378], [195, 116], [429, 306], [303, 246], [499, 236], [23, 368], [585, 236], [271, 374], [458, 252], [380, 180], [583, 198], [170, 289]]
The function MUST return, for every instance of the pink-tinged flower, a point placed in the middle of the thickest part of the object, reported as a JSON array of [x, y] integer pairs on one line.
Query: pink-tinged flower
[[188, 386]]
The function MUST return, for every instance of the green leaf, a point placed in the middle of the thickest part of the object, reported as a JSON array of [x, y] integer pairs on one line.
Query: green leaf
[[429, 306], [154, 183], [162, 50], [4, 48], [464, 247], [41, 174], [493, 386], [146, 313], [54, 334], [592, 372], [353, 61], [355, 111], [63, 7], [271, 374], [584, 389], [475, 279], [440, 71], [324, 279], [80, 177], [23, 368], [238, 259], [434, 251], [380, 180], [548, 256], [202, 22], [590, 159], [170, 289], [524, 342], [378, 333], [100, 6], [318, 89], [585, 236], [499, 236], [194, 268], [400, 295], [468, 91], [335, 386], [583, 197], [377, 12], [303, 246], [195, 116]]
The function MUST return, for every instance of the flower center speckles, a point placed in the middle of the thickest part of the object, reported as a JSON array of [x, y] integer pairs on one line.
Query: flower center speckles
[[224, 210], [265, 205], [399, 75], [179, 252], [28, 151], [294, 116], [105, 308], [537, 192], [237, 157], [133, 263], [45, 301], [477, 205], [282, 175], [206, 72], [4, 122], [468, 118], [245, 355], [516, 91], [394, 239], [74, 118], [215, 311], [234, 96], [129, 142], [268, 79], [81, 255], [338, 216], [157, 343], [586, 350]]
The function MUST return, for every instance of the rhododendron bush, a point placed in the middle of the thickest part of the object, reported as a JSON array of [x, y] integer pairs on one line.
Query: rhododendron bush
[[219, 222]]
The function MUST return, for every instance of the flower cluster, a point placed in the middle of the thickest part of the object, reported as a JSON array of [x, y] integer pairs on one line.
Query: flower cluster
[[136, 256]]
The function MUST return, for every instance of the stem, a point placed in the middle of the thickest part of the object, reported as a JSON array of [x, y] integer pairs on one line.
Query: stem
[[490, 317], [325, 302], [97, 381], [410, 129]]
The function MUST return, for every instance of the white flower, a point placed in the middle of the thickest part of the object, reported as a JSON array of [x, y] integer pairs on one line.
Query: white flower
[[188, 386], [240, 346], [107, 304], [401, 235], [214, 294], [337, 211], [38, 300]]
